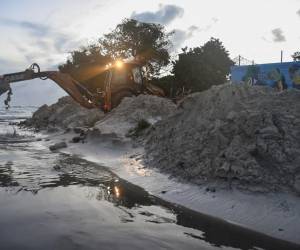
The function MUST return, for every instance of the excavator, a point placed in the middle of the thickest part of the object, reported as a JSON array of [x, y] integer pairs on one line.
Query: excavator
[[121, 79]]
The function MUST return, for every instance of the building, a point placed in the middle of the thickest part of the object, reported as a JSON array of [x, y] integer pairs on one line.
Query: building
[[281, 75]]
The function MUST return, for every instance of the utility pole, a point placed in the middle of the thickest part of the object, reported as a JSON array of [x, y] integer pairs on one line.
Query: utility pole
[[239, 60], [281, 56]]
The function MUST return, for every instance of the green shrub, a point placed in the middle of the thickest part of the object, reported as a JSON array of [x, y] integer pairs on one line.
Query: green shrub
[[140, 127]]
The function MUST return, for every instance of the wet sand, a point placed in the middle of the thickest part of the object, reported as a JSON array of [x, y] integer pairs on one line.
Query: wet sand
[[60, 201]]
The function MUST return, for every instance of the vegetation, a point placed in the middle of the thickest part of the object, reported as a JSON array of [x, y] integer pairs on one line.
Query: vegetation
[[199, 68], [139, 128], [296, 56], [81, 63], [166, 83], [196, 69], [147, 41]]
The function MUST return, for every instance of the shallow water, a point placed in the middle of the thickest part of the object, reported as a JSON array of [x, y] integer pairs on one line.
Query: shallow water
[[57, 201]]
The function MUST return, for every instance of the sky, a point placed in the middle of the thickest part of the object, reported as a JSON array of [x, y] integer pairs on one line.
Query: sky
[[46, 31]]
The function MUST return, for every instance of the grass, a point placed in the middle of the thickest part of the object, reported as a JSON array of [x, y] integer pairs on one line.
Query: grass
[[140, 127]]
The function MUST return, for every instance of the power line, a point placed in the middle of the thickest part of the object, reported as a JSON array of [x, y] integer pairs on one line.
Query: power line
[[240, 60]]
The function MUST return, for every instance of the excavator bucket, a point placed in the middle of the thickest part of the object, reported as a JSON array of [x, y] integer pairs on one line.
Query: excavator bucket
[[4, 86]]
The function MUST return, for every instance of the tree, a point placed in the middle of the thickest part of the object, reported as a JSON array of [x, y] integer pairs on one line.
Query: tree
[[85, 63], [296, 56], [147, 41], [199, 68], [166, 83]]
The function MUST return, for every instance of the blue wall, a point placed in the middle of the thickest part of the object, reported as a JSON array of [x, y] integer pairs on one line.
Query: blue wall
[[268, 74]]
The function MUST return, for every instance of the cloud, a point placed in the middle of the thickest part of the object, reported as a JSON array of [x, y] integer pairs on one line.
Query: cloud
[[42, 44], [265, 39], [213, 21], [298, 12], [6, 66], [164, 15], [180, 36], [34, 28], [278, 35]]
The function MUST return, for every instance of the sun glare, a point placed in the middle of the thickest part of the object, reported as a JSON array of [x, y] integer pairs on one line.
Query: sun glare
[[119, 64]]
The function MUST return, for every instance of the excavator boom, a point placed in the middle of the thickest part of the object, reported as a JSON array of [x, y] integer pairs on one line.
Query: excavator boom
[[122, 79], [77, 91]]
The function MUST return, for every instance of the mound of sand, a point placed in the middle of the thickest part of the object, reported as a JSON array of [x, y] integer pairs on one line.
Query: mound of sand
[[66, 113], [131, 111], [246, 136]]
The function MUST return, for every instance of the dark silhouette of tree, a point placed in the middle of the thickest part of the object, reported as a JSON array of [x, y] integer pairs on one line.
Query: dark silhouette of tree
[[166, 83], [82, 63], [148, 42], [199, 68], [296, 56]]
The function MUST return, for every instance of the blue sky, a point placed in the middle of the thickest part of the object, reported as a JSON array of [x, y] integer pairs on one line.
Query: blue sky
[[45, 31]]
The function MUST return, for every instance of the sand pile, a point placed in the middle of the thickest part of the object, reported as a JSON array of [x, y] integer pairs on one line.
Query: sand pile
[[246, 136], [132, 111], [66, 113]]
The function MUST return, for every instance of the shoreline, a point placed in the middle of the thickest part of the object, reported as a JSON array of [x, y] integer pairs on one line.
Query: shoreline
[[227, 132], [274, 214]]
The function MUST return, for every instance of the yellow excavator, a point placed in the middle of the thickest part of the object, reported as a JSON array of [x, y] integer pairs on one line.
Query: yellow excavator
[[121, 79]]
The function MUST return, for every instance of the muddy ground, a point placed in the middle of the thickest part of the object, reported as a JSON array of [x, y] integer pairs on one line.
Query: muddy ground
[[230, 135]]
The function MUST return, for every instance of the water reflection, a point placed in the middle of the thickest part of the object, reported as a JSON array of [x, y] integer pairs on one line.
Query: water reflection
[[131, 200], [6, 176], [71, 170]]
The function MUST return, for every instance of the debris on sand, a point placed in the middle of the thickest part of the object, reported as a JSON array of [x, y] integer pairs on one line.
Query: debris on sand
[[240, 135], [66, 113], [56, 167], [132, 111], [58, 146]]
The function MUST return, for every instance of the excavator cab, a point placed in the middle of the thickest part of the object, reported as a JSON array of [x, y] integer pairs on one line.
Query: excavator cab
[[121, 79]]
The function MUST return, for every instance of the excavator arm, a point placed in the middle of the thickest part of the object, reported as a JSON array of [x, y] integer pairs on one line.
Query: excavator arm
[[97, 99], [76, 90]]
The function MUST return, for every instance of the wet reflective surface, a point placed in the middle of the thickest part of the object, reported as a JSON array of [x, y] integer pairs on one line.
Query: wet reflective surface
[[57, 201]]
